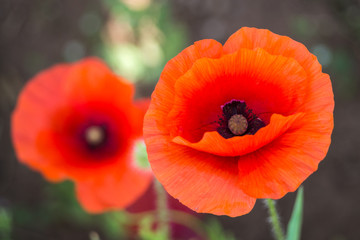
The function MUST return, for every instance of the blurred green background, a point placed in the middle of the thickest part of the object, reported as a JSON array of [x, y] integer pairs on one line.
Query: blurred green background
[[136, 38]]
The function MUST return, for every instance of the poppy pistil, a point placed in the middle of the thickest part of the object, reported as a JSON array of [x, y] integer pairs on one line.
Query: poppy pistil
[[94, 135], [238, 124]]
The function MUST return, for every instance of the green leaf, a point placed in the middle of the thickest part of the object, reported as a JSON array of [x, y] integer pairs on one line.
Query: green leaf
[[294, 226], [215, 231], [114, 223]]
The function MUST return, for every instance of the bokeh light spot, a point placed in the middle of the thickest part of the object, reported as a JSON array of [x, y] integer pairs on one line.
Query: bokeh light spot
[[73, 51], [89, 23], [323, 53]]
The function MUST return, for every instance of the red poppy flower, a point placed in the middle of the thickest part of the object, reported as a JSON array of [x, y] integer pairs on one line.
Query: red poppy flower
[[230, 124], [78, 121]]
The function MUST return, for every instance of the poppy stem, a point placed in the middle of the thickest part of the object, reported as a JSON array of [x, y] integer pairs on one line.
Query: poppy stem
[[162, 210], [179, 217], [274, 220]]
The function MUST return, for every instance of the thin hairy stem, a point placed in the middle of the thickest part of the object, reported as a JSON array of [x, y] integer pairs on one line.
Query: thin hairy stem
[[274, 220], [162, 209]]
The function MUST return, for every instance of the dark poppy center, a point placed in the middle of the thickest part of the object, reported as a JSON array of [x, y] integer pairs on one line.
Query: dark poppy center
[[95, 137], [238, 120], [238, 124], [98, 140]]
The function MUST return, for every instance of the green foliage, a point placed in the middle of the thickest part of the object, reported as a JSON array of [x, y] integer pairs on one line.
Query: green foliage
[[5, 224], [61, 205], [141, 158], [113, 224], [151, 39], [294, 225], [215, 231], [65, 206]]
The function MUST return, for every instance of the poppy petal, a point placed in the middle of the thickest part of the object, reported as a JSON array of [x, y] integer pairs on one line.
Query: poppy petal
[[286, 162], [320, 92], [252, 38], [176, 67], [84, 83], [207, 183], [34, 108], [210, 83], [214, 143], [113, 192]]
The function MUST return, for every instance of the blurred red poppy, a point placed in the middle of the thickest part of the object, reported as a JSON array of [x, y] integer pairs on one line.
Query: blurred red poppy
[[230, 124], [79, 122]]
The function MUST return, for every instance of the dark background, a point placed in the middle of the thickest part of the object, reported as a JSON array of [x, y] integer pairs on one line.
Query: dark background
[[34, 34]]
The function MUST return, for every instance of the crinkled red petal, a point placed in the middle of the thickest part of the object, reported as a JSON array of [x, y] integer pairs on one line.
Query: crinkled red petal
[[281, 166]]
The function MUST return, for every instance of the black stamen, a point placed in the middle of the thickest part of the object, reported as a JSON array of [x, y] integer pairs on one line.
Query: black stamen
[[236, 107]]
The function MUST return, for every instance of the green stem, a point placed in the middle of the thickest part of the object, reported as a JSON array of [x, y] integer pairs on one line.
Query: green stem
[[275, 220], [162, 209], [182, 218]]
